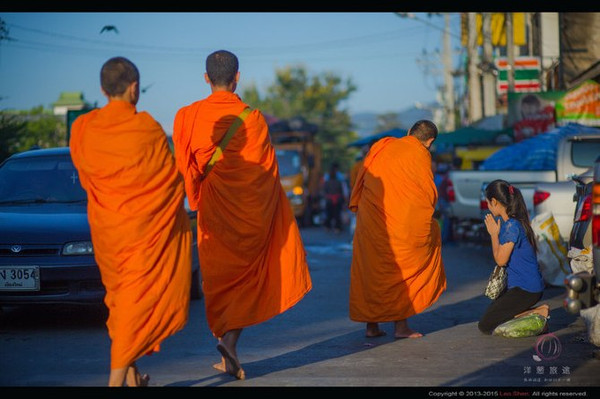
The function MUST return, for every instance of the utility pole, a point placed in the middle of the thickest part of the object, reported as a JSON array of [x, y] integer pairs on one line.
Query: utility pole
[[474, 82], [529, 19], [510, 52], [561, 51], [489, 80], [448, 78]]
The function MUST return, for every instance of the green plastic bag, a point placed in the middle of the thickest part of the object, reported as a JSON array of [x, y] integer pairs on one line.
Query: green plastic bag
[[525, 326]]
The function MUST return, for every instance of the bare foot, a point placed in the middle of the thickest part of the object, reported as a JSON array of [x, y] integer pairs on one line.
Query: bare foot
[[373, 331], [402, 330], [408, 334], [140, 380], [232, 364], [144, 380], [133, 378], [542, 310], [220, 366], [375, 334]]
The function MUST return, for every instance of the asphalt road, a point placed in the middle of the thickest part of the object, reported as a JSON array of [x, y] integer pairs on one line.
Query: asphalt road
[[315, 344]]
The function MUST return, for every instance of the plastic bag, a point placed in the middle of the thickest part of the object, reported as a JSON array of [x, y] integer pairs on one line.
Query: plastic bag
[[524, 326], [581, 259], [591, 316], [551, 250]]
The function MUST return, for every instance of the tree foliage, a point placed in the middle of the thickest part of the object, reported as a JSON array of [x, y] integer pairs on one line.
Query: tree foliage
[[316, 98], [11, 127], [23, 130]]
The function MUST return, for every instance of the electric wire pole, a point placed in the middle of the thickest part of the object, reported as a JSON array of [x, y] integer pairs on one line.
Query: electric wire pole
[[489, 79], [449, 105], [473, 70], [510, 52]]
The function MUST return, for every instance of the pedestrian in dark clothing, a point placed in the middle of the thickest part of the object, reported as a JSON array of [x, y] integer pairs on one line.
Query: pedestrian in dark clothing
[[335, 195]]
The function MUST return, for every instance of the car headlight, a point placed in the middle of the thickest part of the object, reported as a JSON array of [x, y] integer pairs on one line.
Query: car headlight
[[78, 248]]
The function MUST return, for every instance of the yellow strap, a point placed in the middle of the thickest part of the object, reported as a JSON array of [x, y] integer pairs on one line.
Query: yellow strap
[[232, 129]]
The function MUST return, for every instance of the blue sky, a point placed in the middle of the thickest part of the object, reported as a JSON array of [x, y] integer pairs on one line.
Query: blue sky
[[64, 51]]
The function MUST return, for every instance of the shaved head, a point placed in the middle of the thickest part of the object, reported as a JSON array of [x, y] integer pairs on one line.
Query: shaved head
[[117, 74], [424, 130], [222, 67]]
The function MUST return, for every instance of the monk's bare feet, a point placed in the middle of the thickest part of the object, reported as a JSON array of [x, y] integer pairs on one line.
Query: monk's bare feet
[[144, 380], [402, 330], [139, 380], [411, 334], [232, 364], [373, 331], [221, 365]]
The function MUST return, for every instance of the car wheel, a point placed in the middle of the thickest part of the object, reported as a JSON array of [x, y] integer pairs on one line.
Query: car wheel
[[196, 290]]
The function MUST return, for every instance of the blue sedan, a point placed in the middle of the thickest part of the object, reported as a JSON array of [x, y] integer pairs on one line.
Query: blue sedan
[[46, 252]]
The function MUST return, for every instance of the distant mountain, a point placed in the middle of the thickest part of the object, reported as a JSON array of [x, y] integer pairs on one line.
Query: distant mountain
[[365, 123]]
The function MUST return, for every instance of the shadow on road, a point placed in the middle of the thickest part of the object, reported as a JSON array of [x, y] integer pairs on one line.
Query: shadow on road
[[53, 317], [561, 359]]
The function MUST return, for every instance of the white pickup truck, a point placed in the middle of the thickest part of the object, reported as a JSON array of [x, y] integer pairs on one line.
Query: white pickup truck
[[559, 199], [573, 157]]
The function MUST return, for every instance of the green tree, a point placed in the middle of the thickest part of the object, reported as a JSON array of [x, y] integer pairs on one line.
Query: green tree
[[22, 130], [316, 98], [11, 127], [43, 129]]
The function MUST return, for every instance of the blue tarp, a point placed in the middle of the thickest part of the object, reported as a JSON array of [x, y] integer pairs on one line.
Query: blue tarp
[[536, 153]]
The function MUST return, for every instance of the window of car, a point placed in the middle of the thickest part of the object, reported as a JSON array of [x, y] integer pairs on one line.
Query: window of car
[[289, 162], [585, 152], [47, 179]]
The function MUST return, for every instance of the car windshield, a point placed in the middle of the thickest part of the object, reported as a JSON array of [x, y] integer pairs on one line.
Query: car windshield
[[40, 180], [289, 162]]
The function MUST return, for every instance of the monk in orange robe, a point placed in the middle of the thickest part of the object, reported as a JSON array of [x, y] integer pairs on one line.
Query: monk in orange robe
[[250, 249], [140, 230], [354, 171], [397, 268]]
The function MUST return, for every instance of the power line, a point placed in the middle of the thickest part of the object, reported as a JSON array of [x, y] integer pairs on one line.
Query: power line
[[326, 45], [410, 15]]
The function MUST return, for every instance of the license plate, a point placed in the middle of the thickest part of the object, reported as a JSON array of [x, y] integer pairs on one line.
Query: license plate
[[20, 278]]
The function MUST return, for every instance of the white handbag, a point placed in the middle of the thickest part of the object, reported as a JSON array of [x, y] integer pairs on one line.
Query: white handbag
[[496, 283]]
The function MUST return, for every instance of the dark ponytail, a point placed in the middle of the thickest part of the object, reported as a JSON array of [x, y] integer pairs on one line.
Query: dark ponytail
[[511, 198]]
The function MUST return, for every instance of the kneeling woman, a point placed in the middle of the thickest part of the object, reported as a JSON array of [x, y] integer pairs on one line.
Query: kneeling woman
[[514, 246]]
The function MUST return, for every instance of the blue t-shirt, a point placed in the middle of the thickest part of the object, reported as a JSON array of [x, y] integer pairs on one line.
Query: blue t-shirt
[[522, 268]]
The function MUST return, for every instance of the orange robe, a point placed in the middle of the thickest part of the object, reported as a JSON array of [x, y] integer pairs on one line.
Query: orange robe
[[251, 253], [140, 230], [397, 268], [354, 171]]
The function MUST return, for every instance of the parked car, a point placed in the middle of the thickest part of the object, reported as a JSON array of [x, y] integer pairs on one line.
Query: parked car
[[560, 200], [46, 252]]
